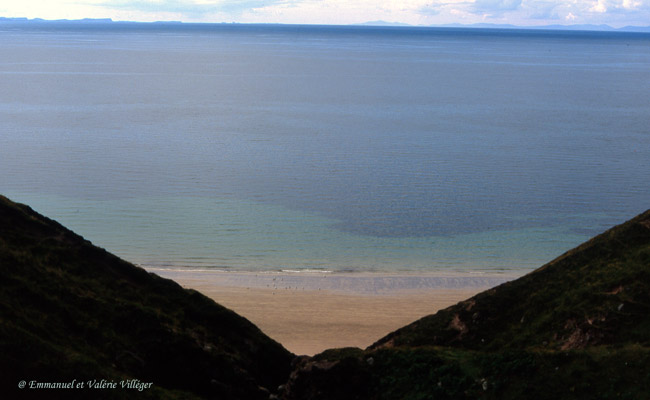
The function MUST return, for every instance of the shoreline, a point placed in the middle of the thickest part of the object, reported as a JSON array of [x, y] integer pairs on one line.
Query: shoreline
[[311, 312]]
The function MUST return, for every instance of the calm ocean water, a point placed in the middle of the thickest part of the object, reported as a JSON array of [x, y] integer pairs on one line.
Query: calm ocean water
[[326, 148]]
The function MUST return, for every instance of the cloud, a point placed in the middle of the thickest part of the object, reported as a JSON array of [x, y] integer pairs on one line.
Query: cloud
[[416, 12], [459, 9], [542, 10], [188, 7], [340, 11], [603, 6], [496, 6]]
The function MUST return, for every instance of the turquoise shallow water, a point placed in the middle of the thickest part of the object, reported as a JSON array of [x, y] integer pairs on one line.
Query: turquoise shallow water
[[229, 234], [253, 148]]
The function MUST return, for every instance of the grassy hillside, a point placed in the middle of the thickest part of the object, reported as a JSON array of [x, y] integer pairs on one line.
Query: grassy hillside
[[576, 328], [70, 310], [598, 293]]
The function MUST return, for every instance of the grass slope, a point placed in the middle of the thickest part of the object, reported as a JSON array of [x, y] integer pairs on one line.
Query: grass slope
[[597, 293], [576, 328], [70, 310]]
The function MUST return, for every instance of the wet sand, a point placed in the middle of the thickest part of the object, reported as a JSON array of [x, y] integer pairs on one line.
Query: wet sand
[[309, 313]]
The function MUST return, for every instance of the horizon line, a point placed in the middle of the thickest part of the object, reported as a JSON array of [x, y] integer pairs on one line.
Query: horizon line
[[369, 24]]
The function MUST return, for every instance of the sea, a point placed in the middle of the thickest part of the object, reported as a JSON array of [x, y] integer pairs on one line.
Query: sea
[[326, 149]]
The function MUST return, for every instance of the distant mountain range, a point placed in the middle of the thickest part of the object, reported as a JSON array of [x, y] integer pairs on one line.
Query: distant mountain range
[[378, 23], [582, 27]]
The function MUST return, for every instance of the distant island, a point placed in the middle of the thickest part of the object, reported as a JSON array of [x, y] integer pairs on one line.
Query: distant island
[[575, 27], [570, 27], [377, 23]]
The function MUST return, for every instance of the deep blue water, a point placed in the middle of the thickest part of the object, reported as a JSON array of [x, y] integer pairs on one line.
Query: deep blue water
[[339, 148]]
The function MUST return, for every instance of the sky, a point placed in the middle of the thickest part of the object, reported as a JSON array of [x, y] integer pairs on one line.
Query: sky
[[616, 13]]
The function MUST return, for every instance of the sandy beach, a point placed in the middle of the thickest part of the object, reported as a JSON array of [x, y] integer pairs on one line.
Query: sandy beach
[[312, 312]]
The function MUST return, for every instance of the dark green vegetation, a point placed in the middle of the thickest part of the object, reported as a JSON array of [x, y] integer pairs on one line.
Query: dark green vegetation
[[576, 328], [70, 310]]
